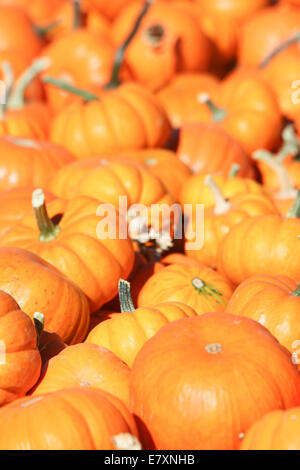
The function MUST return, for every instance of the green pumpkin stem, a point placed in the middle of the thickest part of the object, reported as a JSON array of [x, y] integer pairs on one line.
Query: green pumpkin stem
[[48, 230], [218, 114], [296, 292], [42, 31], [85, 95], [77, 14], [290, 144], [234, 170], [294, 211], [126, 302], [39, 321], [16, 98], [8, 79], [120, 53], [284, 45], [221, 204], [287, 189], [208, 291]]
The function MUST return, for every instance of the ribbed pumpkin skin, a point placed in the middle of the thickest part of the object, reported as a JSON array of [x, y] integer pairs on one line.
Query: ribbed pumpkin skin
[[216, 226], [277, 430], [189, 382], [175, 283], [206, 148], [20, 360], [25, 162], [125, 333], [128, 117], [86, 365], [71, 419], [30, 122], [268, 299], [38, 286], [261, 245], [94, 264]]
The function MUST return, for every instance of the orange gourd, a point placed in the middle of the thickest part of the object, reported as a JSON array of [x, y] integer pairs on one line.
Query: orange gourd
[[20, 360]]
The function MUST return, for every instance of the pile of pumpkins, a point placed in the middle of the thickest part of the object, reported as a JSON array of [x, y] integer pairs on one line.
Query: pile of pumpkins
[[137, 341]]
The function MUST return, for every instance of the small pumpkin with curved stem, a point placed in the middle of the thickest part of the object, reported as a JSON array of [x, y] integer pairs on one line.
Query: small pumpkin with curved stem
[[196, 372], [20, 360], [206, 148], [72, 236], [180, 96], [200, 287], [262, 245], [64, 306], [168, 41], [85, 365], [196, 191], [78, 418], [242, 107], [274, 302], [125, 333], [281, 172], [276, 430], [19, 118], [28, 162], [219, 219]]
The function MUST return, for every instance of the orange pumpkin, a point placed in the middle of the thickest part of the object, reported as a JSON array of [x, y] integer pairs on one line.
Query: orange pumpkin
[[276, 430], [180, 96], [201, 369], [111, 9], [125, 333], [273, 301], [168, 41], [262, 245], [27, 162], [73, 239], [73, 419], [20, 360], [221, 22], [264, 31], [200, 287], [85, 365], [64, 306], [206, 148], [247, 109], [219, 220], [17, 32]]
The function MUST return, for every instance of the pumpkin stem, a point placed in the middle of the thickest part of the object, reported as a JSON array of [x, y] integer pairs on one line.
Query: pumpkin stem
[[48, 231], [85, 95], [77, 14], [120, 53], [287, 189], [126, 302], [290, 144], [17, 99], [218, 114], [39, 321], [126, 441], [154, 35], [296, 292], [221, 204], [208, 291], [234, 170], [294, 211], [8, 78], [284, 45], [42, 31]]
